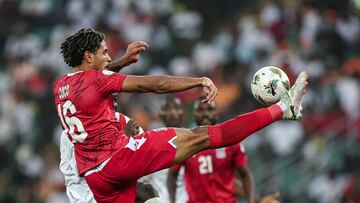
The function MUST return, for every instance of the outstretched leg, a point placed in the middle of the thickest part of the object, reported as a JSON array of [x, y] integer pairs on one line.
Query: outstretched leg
[[189, 142]]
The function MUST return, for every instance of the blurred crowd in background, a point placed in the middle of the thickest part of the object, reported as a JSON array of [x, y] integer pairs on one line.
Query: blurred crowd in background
[[315, 160]]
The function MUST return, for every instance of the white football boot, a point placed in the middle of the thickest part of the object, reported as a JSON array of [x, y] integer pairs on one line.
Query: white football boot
[[290, 101]]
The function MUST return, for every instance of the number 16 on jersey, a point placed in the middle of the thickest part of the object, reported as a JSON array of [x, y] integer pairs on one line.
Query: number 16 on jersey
[[69, 123]]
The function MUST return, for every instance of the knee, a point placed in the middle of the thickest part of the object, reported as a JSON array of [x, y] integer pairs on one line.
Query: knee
[[190, 142], [193, 141], [199, 136], [191, 136], [199, 130]]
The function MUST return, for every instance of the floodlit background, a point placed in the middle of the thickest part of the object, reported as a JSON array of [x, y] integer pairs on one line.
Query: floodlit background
[[315, 160]]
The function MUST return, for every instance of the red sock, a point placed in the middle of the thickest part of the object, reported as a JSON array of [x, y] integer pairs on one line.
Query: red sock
[[237, 129]]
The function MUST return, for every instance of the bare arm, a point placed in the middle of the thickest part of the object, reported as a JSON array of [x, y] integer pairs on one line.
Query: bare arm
[[248, 183], [171, 184], [272, 198], [166, 84], [131, 55], [240, 190]]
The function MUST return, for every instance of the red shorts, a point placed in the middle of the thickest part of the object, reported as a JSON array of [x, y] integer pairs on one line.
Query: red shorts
[[143, 154]]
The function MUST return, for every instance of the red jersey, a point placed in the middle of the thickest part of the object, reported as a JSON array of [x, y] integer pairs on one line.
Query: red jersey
[[85, 106], [209, 175]]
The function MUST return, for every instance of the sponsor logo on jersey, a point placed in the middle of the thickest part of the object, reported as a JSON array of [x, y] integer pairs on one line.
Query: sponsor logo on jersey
[[135, 144]]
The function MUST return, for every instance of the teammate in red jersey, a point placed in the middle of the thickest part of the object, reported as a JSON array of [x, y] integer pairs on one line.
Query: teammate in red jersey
[[210, 174], [112, 162]]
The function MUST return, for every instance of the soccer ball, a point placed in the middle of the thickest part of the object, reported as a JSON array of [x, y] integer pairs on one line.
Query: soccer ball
[[268, 84]]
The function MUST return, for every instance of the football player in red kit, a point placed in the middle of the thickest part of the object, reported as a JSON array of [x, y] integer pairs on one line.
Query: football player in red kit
[[112, 162], [76, 186]]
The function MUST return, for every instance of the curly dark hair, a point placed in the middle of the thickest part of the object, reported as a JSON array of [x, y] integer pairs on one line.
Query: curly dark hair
[[74, 47]]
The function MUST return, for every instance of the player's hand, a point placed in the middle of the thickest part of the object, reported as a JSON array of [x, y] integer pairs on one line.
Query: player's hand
[[132, 128], [133, 51], [272, 198], [209, 89]]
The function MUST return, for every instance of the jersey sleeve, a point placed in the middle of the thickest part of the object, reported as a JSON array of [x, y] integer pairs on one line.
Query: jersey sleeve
[[109, 82], [240, 156]]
